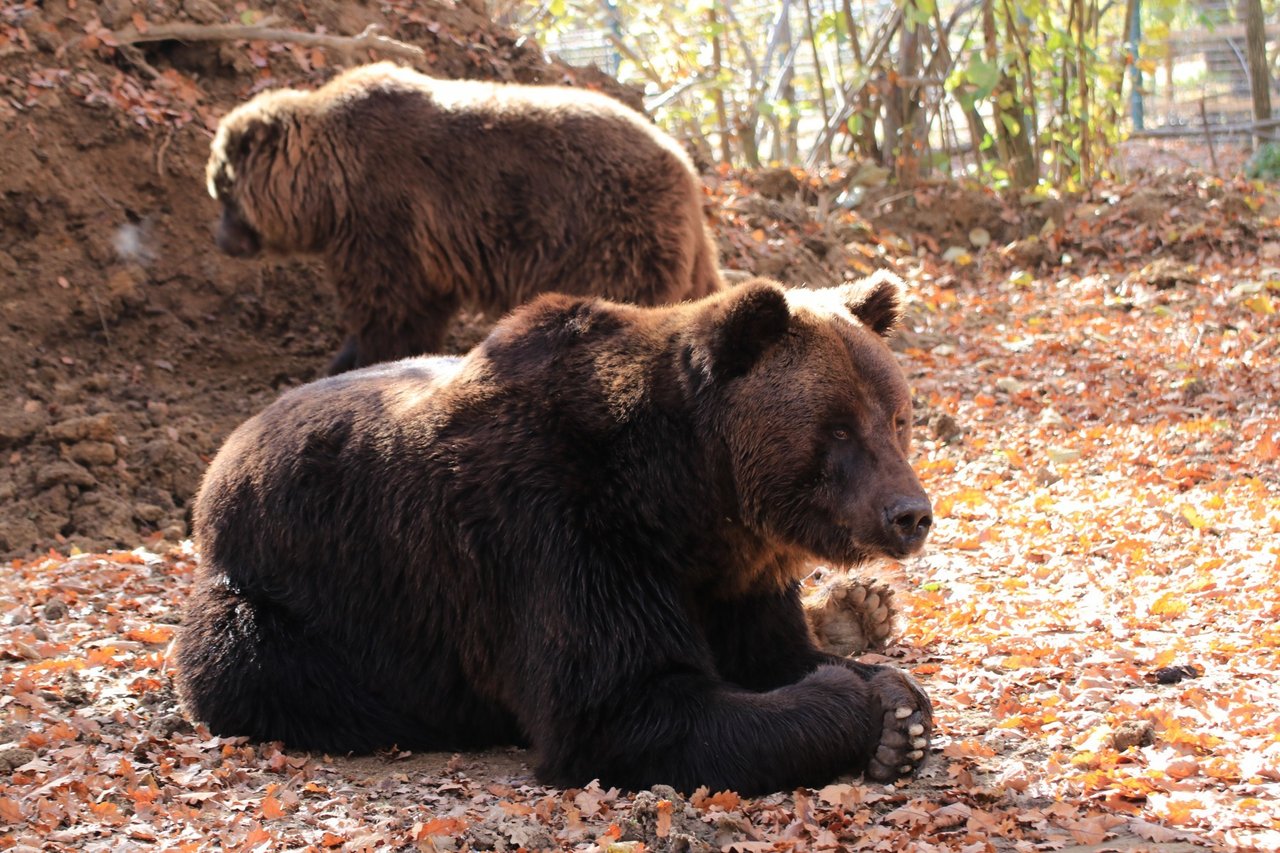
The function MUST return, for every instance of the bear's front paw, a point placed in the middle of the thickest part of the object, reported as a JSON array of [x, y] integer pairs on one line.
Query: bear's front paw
[[849, 615], [907, 725]]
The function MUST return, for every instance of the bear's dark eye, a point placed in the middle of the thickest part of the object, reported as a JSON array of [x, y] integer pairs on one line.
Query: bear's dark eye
[[901, 423], [840, 433]]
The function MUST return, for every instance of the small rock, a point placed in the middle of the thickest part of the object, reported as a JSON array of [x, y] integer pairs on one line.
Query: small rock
[[980, 237], [90, 428], [1133, 733], [1009, 385], [203, 11], [74, 693], [1027, 252], [13, 757], [56, 473], [17, 426], [18, 534], [1174, 674], [149, 513], [944, 427], [1050, 417], [1062, 455], [92, 453], [1168, 273], [55, 609], [166, 726], [1046, 476], [126, 283], [778, 184]]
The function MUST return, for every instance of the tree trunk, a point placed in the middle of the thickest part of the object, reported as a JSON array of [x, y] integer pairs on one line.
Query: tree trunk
[[817, 71], [1259, 77], [722, 114], [899, 152], [1082, 81]]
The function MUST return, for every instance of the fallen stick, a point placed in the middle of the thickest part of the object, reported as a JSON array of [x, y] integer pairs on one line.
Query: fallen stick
[[1208, 137], [369, 39]]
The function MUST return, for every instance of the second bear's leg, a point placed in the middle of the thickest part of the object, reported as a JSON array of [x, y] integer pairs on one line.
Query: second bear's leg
[[403, 332]]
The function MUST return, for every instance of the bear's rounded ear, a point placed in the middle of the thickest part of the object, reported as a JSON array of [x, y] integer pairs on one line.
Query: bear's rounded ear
[[876, 301], [745, 322]]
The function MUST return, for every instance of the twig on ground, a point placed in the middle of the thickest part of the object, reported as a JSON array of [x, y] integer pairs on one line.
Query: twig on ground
[[369, 39], [136, 58], [1208, 137], [160, 152]]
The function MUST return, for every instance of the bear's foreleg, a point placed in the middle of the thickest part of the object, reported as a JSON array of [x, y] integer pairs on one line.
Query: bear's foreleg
[[762, 642], [689, 729], [387, 333]]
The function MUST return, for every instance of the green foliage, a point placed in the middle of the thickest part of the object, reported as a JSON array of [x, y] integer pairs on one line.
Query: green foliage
[[1020, 96], [1265, 162]]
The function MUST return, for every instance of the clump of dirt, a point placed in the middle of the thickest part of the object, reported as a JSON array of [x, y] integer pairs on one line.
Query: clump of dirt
[[946, 213], [129, 347]]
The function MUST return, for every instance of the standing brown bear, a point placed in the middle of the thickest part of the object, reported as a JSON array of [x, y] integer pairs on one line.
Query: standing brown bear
[[423, 195], [586, 536]]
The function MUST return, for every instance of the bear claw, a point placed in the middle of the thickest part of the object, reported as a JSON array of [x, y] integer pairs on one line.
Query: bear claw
[[849, 615], [904, 738]]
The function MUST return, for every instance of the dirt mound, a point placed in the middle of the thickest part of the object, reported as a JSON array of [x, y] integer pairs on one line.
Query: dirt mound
[[129, 347]]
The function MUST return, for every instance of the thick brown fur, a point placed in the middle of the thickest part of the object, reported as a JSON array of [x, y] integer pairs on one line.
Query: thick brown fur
[[586, 536], [424, 195]]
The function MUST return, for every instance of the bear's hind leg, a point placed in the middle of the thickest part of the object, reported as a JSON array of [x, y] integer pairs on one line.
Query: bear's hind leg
[[249, 667]]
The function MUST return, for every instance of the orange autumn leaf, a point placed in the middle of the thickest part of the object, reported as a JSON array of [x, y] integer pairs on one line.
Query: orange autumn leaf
[[150, 634], [1169, 604], [439, 826], [271, 807], [663, 827], [727, 800], [10, 811]]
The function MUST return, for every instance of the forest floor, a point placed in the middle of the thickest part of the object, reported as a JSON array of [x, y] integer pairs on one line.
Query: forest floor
[[1097, 385]]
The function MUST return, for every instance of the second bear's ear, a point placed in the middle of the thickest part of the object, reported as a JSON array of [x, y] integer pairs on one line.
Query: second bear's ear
[[743, 324], [876, 301], [255, 137]]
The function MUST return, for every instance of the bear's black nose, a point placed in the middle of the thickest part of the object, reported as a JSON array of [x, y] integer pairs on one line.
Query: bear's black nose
[[907, 522]]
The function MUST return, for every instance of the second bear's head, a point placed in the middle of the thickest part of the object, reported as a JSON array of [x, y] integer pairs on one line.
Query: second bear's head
[[815, 415], [278, 184]]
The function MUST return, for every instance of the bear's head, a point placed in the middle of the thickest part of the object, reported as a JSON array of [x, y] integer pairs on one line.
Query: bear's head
[[265, 170], [814, 416]]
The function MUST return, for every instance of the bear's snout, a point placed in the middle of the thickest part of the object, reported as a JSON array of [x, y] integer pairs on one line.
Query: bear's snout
[[907, 520], [235, 237]]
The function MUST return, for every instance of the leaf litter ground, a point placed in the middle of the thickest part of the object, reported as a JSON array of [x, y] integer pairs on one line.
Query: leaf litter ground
[[1099, 426]]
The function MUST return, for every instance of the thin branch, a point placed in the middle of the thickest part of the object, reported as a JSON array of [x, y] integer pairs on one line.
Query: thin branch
[[369, 39], [825, 148]]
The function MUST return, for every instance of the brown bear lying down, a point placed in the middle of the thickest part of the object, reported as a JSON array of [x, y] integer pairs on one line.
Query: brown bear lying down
[[423, 195], [584, 536]]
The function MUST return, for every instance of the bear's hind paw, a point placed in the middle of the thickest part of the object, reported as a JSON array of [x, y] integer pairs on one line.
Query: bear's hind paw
[[847, 615]]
